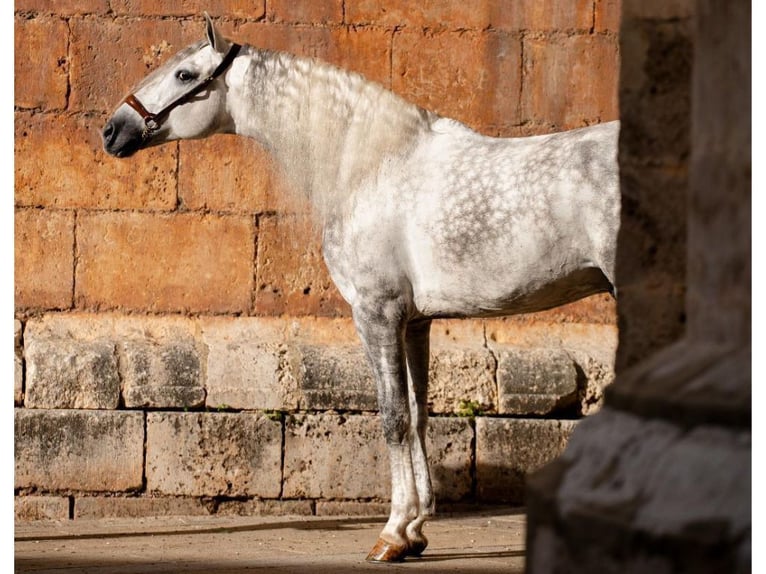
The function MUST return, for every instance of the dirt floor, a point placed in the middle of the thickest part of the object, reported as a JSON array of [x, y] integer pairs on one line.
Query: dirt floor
[[467, 543]]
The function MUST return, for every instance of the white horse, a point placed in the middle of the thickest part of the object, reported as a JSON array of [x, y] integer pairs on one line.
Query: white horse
[[421, 217]]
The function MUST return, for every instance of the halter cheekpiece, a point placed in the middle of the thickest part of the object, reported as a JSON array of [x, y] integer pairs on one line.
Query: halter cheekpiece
[[153, 121]]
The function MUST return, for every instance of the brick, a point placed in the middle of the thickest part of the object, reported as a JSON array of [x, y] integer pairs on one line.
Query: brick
[[225, 173], [256, 507], [161, 330], [85, 176], [98, 507], [330, 456], [63, 7], [363, 50], [542, 16], [608, 15], [78, 450], [366, 51], [535, 381], [162, 375], [292, 276], [41, 508], [508, 449], [110, 56], [472, 77], [455, 15], [216, 8], [44, 259], [184, 262], [40, 63], [213, 454], [333, 377], [306, 11], [427, 14], [570, 81], [461, 374], [63, 373], [246, 365]]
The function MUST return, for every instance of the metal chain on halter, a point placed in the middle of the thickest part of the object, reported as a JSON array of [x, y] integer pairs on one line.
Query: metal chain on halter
[[153, 121]]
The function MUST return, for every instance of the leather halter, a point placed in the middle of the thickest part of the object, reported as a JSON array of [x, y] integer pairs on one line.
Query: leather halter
[[153, 121]]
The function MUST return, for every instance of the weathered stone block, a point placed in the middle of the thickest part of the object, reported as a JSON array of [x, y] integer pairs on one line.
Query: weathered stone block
[[65, 373], [40, 68], [449, 442], [257, 507], [161, 375], [95, 507], [417, 15], [43, 258], [307, 11], [508, 449], [535, 381], [165, 8], [64, 7], [246, 365], [441, 73], [108, 56], [292, 276], [149, 262], [335, 456], [18, 364], [331, 456], [333, 377], [459, 375], [570, 80], [41, 507], [213, 454], [78, 450], [85, 176], [238, 181]]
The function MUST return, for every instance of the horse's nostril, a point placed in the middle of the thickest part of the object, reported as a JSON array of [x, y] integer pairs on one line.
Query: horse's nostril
[[108, 132]]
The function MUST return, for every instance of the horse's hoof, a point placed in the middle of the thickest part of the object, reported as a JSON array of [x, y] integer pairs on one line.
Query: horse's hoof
[[387, 552], [417, 547]]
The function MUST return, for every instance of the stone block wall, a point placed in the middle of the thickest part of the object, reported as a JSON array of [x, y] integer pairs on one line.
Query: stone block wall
[[180, 347]]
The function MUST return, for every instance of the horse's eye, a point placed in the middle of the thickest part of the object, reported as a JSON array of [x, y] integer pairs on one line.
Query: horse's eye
[[185, 76]]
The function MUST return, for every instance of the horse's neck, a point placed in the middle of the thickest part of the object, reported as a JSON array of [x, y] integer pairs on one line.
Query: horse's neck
[[330, 129]]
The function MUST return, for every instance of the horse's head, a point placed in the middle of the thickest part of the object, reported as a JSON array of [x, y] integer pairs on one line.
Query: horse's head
[[183, 99]]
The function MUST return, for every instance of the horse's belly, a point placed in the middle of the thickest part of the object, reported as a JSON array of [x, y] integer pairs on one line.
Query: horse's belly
[[505, 276]]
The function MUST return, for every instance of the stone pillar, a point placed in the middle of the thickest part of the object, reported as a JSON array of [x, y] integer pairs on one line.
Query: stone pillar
[[659, 481]]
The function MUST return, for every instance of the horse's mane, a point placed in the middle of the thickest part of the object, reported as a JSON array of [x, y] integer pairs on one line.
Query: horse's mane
[[330, 129]]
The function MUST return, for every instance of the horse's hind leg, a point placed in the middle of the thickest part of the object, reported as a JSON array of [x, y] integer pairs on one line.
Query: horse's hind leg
[[382, 333], [417, 348]]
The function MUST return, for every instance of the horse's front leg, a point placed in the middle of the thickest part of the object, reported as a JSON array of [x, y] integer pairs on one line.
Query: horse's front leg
[[382, 331], [418, 350]]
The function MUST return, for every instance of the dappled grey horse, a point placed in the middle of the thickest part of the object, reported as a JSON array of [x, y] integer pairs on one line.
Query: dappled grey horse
[[421, 217]]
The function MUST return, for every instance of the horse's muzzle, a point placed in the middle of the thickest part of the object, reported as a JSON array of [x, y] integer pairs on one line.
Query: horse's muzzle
[[121, 139]]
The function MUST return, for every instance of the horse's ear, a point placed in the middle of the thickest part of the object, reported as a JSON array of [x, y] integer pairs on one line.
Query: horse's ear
[[214, 37]]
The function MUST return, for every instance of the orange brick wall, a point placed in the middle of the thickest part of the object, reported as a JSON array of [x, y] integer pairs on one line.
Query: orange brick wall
[[178, 289], [195, 227]]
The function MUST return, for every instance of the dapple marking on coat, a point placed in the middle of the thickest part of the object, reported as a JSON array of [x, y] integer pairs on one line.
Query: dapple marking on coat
[[421, 217]]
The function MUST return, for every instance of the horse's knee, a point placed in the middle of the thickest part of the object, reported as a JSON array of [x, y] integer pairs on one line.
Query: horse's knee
[[396, 426]]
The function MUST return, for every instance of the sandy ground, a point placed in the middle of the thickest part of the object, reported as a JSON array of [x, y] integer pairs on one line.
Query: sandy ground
[[467, 543]]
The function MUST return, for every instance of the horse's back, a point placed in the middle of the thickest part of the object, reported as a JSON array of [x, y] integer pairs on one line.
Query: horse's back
[[498, 226]]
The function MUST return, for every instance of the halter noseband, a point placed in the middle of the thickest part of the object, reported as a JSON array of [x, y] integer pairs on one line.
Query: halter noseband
[[152, 121]]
